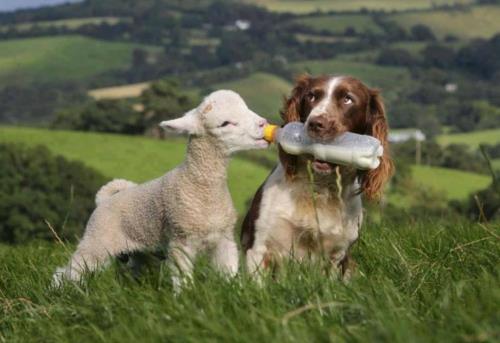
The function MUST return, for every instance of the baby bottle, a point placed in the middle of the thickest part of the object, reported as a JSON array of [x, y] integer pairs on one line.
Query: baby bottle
[[349, 149]]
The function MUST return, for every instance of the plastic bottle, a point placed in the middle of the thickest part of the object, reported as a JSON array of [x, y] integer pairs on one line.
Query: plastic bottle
[[349, 149]]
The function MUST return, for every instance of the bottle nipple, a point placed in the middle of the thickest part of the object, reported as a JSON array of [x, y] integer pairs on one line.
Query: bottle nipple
[[270, 132]]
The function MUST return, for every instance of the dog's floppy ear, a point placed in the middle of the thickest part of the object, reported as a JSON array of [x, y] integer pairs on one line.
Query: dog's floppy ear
[[189, 123], [373, 181], [291, 111]]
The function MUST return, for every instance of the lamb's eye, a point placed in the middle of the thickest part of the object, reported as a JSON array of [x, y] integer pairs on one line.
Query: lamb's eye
[[348, 100], [311, 96], [226, 123]]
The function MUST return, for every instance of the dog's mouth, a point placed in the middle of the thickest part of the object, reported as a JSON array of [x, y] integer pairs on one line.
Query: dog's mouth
[[322, 167]]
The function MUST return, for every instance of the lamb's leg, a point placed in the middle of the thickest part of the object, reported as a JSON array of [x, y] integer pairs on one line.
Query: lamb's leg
[[225, 256], [93, 251], [180, 262]]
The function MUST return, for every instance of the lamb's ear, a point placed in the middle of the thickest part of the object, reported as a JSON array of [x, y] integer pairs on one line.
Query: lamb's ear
[[188, 123]]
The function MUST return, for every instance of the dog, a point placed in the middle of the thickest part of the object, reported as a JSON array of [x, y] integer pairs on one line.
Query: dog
[[285, 220]]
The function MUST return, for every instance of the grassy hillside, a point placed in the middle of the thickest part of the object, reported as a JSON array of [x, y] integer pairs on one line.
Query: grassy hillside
[[473, 139], [454, 184], [420, 282], [301, 7], [132, 157], [337, 24], [68, 23], [480, 21], [263, 93], [119, 92], [60, 58]]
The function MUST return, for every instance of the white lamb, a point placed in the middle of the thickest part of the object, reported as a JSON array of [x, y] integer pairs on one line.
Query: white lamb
[[189, 208]]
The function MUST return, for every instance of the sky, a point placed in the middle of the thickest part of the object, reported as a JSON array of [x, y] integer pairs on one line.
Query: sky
[[12, 5]]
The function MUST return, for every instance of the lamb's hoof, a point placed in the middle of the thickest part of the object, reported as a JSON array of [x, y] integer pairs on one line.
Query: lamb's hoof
[[58, 277]]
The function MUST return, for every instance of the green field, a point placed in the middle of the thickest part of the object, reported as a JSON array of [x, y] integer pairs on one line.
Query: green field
[[68, 23], [472, 139], [337, 24], [262, 92], [60, 58], [133, 157], [496, 163], [453, 184], [301, 7], [474, 22], [428, 281]]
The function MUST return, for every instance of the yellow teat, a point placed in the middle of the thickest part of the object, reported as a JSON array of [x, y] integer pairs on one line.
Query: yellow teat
[[269, 132]]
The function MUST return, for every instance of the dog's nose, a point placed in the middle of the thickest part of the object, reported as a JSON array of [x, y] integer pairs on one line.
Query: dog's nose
[[317, 125]]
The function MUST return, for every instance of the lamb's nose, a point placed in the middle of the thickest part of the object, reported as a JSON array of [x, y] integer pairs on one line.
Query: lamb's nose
[[262, 123]]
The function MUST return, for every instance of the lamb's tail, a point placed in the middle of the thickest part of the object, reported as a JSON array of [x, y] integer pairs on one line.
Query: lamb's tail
[[112, 188]]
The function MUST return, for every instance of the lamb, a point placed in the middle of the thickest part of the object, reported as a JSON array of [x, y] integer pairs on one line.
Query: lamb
[[189, 208]]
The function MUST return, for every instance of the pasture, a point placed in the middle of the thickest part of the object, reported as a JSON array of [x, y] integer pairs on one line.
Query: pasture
[[68, 23], [60, 58], [451, 183], [472, 139], [303, 7], [480, 21], [433, 282]]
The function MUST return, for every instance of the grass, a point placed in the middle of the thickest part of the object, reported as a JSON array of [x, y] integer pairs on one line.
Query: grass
[[60, 58], [420, 282], [68, 23], [480, 21], [302, 7], [119, 92], [337, 24], [132, 157], [472, 139], [455, 184], [496, 163], [263, 93]]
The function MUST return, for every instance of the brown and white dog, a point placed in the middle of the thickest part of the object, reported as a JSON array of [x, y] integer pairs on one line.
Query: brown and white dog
[[284, 221]]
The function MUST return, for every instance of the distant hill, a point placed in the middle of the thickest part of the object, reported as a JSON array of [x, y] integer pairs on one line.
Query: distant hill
[[7, 6]]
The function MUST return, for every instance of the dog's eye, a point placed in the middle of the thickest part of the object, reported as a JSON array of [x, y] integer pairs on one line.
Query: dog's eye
[[311, 96], [348, 100]]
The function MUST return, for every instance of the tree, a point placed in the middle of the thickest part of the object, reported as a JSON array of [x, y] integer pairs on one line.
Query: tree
[[164, 100], [438, 56], [114, 116], [422, 32], [35, 187], [396, 57]]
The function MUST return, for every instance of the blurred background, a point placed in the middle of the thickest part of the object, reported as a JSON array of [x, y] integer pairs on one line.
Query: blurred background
[[84, 84]]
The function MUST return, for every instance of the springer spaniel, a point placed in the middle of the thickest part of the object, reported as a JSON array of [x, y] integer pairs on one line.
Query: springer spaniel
[[284, 219]]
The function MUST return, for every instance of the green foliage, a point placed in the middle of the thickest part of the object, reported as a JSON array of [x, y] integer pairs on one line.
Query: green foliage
[[115, 116], [422, 32], [164, 100], [424, 281], [36, 186]]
